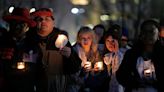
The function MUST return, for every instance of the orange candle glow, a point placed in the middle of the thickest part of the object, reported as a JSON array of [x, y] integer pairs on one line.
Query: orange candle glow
[[147, 71], [20, 65], [100, 65]]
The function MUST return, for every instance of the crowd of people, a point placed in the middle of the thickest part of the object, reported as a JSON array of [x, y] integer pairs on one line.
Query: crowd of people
[[36, 56]]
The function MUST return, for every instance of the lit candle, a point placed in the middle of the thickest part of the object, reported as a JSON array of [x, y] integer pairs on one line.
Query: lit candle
[[147, 71], [61, 41], [88, 64], [20, 65], [100, 65]]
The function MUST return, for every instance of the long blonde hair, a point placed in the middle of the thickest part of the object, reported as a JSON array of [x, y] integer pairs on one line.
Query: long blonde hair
[[94, 54]]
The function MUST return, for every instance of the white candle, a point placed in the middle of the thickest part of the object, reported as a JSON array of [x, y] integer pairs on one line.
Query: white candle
[[20, 65], [88, 64], [147, 71], [61, 41], [100, 65]]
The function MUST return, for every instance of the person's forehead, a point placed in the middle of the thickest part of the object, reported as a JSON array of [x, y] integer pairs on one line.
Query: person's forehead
[[86, 35], [109, 37], [155, 30], [44, 16]]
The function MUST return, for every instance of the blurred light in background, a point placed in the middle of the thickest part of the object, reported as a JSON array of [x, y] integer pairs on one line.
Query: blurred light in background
[[113, 17], [32, 10], [81, 10], [104, 17], [136, 1], [80, 2], [113, 1], [92, 12], [11, 8], [90, 26], [75, 10]]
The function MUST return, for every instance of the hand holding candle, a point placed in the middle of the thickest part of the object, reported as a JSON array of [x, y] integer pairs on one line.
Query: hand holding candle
[[87, 66], [98, 66], [20, 65], [61, 41], [108, 59], [65, 51], [147, 73]]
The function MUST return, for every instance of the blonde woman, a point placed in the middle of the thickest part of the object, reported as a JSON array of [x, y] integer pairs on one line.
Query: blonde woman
[[93, 75], [86, 46]]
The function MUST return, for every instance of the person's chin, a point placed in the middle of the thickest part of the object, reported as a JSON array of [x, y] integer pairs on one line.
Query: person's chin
[[43, 30]]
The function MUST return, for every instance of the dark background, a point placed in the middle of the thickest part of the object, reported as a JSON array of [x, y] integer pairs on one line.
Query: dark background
[[128, 13]]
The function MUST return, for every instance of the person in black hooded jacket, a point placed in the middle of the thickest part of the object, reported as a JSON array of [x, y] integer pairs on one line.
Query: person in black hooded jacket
[[59, 61], [138, 70]]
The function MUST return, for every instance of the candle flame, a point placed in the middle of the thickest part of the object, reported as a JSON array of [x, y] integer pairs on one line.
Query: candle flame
[[147, 71], [61, 41], [100, 65], [20, 65]]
